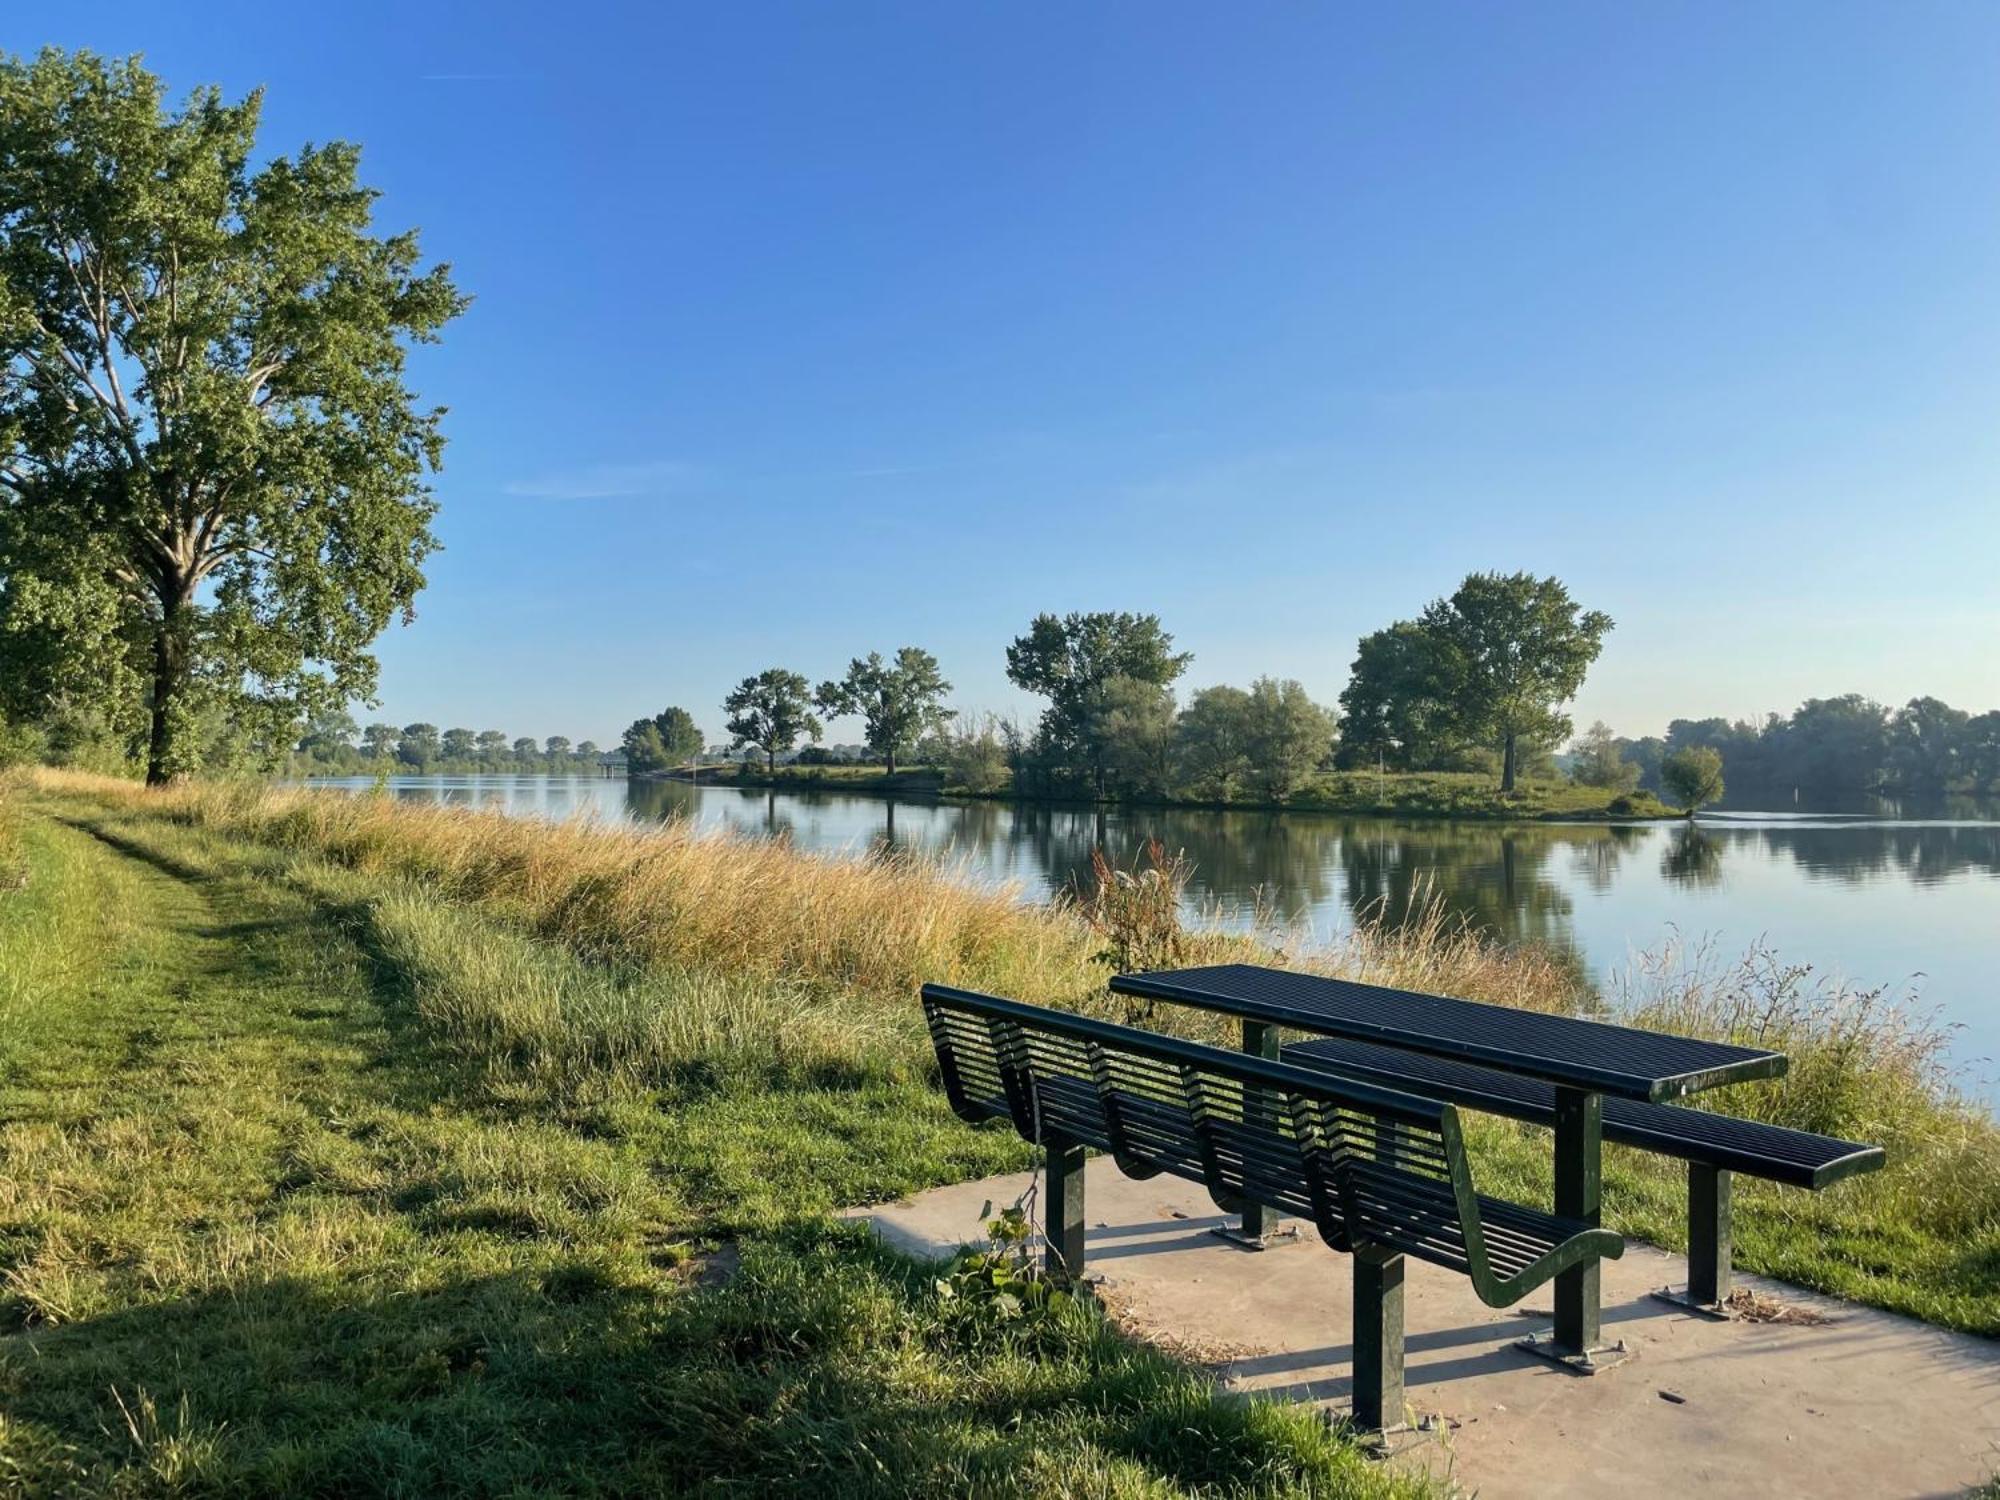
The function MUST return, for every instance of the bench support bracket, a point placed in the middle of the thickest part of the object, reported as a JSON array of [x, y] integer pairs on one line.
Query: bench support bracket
[[1378, 1340], [1062, 1217], [1709, 1247]]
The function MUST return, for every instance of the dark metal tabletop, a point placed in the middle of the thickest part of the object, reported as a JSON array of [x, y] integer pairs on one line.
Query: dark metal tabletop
[[1592, 1055]]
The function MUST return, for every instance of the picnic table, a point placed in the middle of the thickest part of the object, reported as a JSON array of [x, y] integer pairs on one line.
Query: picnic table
[[1585, 1061]]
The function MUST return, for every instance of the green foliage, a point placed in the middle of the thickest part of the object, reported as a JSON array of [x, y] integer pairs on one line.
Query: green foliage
[[1212, 742], [1070, 659], [1489, 666], [670, 738], [1927, 744], [1130, 726], [1397, 708], [1600, 761], [1516, 647], [418, 745], [212, 473], [999, 1294], [973, 753], [1288, 736], [899, 702], [1693, 777], [771, 711]]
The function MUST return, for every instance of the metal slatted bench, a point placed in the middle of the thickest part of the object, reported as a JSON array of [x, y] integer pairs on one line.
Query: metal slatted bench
[[1583, 1077], [1714, 1146], [1381, 1173]]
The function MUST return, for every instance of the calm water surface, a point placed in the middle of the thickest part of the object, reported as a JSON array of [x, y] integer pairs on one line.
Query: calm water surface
[[1910, 905]]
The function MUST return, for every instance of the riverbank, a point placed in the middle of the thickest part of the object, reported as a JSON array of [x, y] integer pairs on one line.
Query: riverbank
[[1441, 794], [365, 1147]]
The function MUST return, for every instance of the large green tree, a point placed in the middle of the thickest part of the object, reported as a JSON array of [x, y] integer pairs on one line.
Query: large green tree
[[1396, 709], [1516, 649], [1692, 777], [418, 745], [212, 470], [670, 738], [1069, 659], [772, 711], [898, 702], [1289, 735], [1212, 742]]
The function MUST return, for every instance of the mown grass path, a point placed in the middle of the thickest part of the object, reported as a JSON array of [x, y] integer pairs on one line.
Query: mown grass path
[[262, 1233]]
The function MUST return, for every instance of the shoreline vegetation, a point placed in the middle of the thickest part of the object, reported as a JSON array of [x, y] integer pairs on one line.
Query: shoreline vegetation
[[349, 1144], [1413, 794]]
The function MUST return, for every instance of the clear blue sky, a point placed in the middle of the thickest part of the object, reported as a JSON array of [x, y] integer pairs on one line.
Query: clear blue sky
[[811, 329]]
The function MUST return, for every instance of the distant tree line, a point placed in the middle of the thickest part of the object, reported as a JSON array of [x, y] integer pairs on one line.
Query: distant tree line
[[1477, 682], [1826, 746], [334, 744]]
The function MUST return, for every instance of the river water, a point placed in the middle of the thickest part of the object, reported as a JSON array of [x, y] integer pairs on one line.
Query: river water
[[1911, 905]]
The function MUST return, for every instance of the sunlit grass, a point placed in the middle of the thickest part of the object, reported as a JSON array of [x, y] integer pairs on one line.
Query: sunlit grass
[[463, 1104]]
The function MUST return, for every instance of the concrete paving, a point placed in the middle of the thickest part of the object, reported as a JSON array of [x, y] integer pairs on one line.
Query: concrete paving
[[1853, 1402]]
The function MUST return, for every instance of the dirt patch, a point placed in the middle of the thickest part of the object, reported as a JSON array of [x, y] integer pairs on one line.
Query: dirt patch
[[1760, 1307], [1215, 1354]]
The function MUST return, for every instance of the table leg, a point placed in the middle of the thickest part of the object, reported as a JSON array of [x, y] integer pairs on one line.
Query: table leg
[[1575, 1342], [1260, 1107], [1579, 1186], [1260, 1039]]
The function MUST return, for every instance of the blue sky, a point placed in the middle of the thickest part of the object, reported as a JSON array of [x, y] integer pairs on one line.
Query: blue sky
[[807, 330]]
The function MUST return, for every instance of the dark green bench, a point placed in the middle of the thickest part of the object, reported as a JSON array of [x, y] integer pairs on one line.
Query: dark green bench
[[1381, 1173], [1714, 1146]]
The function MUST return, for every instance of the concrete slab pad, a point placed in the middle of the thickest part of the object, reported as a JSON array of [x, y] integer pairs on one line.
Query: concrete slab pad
[[1855, 1403]]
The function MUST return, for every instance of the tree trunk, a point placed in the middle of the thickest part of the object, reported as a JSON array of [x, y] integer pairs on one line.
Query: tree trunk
[[1507, 766], [770, 761], [169, 666], [891, 758]]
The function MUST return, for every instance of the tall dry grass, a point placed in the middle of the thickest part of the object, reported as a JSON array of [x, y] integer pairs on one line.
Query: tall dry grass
[[665, 896]]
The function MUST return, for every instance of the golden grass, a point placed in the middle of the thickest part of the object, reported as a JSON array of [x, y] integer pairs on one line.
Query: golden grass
[[663, 896]]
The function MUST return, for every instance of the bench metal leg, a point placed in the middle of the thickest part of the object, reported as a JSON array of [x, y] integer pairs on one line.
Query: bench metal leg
[[1709, 1247], [1062, 1218], [1577, 1341], [1378, 1340], [1260, 1223]]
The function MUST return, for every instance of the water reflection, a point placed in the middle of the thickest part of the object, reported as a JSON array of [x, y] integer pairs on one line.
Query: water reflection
[[1878, 901]]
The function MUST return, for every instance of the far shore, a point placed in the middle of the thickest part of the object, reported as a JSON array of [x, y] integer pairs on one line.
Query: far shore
[[1445, 796]]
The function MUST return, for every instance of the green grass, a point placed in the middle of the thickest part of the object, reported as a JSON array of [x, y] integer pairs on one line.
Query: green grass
[[314, 1181], [1421, 794], [347, 1147]]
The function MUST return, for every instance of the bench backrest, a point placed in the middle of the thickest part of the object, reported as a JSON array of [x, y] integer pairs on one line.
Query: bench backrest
[[1367, 1165]]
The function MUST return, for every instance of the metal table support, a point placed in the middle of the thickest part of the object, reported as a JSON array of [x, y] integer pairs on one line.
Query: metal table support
[[1260, 1223], [1577, 1341], [1709, 1244]]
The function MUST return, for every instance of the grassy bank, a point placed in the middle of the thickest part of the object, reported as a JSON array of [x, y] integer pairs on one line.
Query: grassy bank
[[324, 1176], [1429, 794], [352, 1147]]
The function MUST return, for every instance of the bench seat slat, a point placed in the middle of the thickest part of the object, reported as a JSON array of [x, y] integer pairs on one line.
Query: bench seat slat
[[1796, 1158]]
